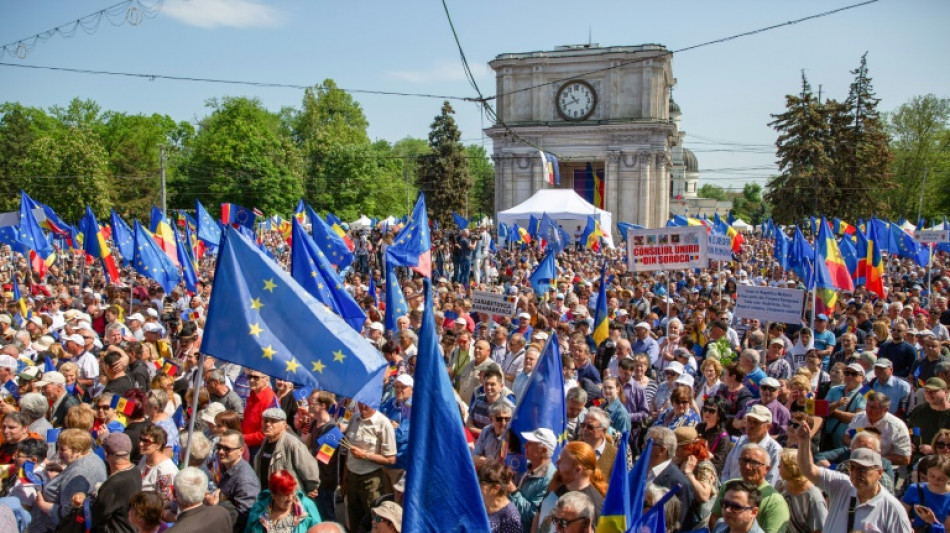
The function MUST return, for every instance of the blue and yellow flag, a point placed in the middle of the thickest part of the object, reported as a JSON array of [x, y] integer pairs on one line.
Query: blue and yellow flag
[[329, 241], [613, 514], [259, 317], [94, 244], [151, 261], [442, 490], [311, 269], [544, 274], [601, 320]]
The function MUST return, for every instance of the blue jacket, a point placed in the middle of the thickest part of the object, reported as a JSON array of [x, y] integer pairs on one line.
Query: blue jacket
[[307, 515]]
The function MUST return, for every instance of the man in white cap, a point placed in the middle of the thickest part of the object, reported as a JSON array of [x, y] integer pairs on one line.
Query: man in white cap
[[757, 421], [857, 502], [768, 396], [87, 362], [895, 388], [53, 386], [644, 343], [539, 446], [374, 334], [134, 322]]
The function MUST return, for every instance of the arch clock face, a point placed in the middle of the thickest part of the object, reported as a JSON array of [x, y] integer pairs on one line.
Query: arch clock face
[[576, 100]]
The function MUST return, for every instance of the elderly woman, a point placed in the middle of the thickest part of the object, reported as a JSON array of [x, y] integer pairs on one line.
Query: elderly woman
[[283, 507], [158, 470], [711, 370], [106, 421], [680, 412], [494, 478], [158, 415], [734, 393], [807, 506], [84, 471]]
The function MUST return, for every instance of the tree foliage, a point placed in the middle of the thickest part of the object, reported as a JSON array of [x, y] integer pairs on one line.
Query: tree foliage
[[482, 196], [444, 174], [709, 190], [749, 205], [833, 156], [919, 133]]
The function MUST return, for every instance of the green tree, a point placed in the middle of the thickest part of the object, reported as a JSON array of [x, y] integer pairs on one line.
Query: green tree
[[709, 190], [240, 155], [749, 205], [920, 141], [444, 174], [804, 164], [394, 190], [482, 196]]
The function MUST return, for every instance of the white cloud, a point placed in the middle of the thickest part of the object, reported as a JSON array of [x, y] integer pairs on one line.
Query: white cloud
[[222, 13], [443, 71]]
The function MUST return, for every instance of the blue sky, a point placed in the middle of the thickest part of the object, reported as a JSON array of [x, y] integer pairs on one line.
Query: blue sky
[[726, 91]]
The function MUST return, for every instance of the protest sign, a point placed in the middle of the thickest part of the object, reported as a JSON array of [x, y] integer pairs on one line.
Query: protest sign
[[720, 247], [493, 303], [672, 248], [769, 304], [932, 236]]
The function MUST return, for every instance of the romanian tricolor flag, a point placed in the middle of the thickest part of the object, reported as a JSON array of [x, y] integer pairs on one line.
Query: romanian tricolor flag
[[337, 226], [736, 239], [592, 234], [843, 228], [601, 320], [837, 268], [873, 270], [18, 298], [524, 234], [94, 244], [122, 405], [598, 181], [164, 235]]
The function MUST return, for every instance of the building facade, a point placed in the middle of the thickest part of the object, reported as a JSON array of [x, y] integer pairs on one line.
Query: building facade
[[608, 116]]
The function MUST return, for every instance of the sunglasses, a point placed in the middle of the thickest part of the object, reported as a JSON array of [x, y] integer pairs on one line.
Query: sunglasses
[[254, 378], [710, 410], [106, 407], [941, 445], [502, 418], [851, 373], [730, 505], [226, 449], [146, 442], [562, 523]]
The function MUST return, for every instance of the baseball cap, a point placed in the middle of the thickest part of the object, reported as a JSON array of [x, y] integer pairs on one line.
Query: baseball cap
[[390, 511], [543, 436], [822, 316], [53, 377], [524, 315], [117, 444], [770, 382], [685, 379], [884, 363], [377, 326], [136, 316], [620, 312], [856, 367], [865, 457], [274, 413], [152, 313], [8, 361], [213, 410], [934, 384], [75, 337], [30, 373], [760, 413], [675, 366], [405, 380], [644, 325], [151, 327]]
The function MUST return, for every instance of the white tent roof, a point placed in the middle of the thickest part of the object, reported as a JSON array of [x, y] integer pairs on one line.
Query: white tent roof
[[564, 206], [741, 225], [361, 223]]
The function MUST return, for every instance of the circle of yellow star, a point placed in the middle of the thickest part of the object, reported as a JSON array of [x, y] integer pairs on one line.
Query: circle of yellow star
[[256, 330], [292, 365], [269, 285], [269, 352], [256, 304], [338, 356], [318, 366]]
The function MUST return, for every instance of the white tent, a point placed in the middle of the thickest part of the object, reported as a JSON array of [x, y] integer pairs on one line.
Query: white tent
[[741, 225], [564, 206], [361, 223]]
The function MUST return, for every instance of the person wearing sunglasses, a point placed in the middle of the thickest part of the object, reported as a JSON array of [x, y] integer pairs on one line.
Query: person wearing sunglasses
[[573, 513], [740, 507], [387, 518], [844, 401], [235, 477], [262, 396], [490, 440]]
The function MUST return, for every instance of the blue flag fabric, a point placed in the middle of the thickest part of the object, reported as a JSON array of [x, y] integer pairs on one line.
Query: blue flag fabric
[[550, 232], [544, 274], [638, 483], [624, 227], [311, 269], [542, 404], [907, 247], [188, 273], [152, 262], [654, 520], [502, 230], [372, 290], [396, 305], [615, 511], [532, 228], [255, 317], [29, 234], [883, 236], [413, 243], [329, 241], [782, 247], [207, 226], [850, 255], [437, 455], [122, 236], [801, 259], [460, 221]]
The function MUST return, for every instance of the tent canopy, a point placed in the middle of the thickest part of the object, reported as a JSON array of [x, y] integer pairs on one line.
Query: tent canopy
[[361, 223], [564, 206], [741, 225]]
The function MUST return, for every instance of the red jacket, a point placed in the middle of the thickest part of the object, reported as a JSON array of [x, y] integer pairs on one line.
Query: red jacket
[[257, 402]]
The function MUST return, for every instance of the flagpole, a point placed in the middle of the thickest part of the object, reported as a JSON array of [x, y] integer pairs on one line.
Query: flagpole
[[194, 409], [930, 261]]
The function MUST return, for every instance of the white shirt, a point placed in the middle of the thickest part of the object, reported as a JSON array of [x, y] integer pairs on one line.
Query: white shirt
[[881, 513], [657, 470], [895, 439]]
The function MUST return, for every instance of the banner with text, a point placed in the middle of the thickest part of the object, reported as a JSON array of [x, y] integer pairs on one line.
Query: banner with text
[[493, 303], [932, 236], [673, 248], [720, 247], [769, 304]]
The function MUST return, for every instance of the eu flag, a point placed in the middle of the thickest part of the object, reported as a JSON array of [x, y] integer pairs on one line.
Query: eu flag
[[329, 241], [395, 301], [372, 290], [801, 259], [460, 221], [122, 236], [187, 263], [152, 262], [437, 457], [206, 226], [235, 214], [551, 233], [311, 269], [29, 234], [624, 227], [544, 274], [782, 246], [413, 245], [542, 405], [259, 317]]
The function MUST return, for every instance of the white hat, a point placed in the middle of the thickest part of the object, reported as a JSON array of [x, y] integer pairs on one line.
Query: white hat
[[44, 342], [685, 379], [152, 313], [620, 312], [152, 327], [541, 336], [524, 315], [644, 325], [769, 382], [75, 337], [8, 361], [51, 377], [760, 413], [213, 410], [37, 321], [136, 316], [675, 366], [405, 380], [377, 326], [543, 436]]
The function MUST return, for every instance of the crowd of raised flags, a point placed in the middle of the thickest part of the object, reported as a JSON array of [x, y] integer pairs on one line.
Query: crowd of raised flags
[[289, 302]]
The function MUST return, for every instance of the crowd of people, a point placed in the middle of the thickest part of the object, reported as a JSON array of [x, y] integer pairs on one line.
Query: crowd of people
[[838, 423]]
